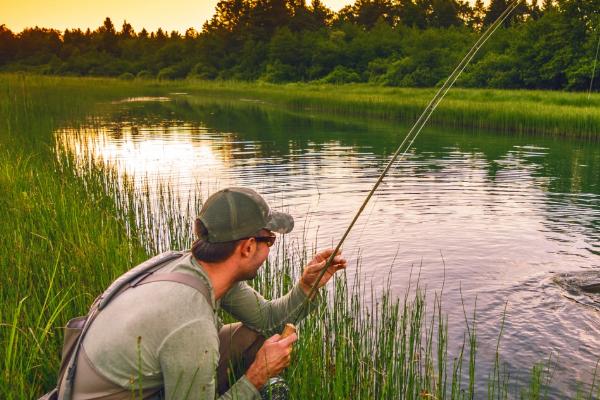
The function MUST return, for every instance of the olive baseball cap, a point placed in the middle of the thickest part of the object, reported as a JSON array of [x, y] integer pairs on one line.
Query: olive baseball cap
[[235, 213]]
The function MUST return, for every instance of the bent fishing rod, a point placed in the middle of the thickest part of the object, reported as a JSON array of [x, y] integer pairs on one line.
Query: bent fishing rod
[[407, 142]]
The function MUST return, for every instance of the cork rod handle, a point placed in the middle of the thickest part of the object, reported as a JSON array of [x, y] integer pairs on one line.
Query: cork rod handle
[[288, 330]]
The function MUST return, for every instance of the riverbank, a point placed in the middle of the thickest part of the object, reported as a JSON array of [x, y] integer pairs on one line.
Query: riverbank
[[63, 235], [70, 229], [544, 113]]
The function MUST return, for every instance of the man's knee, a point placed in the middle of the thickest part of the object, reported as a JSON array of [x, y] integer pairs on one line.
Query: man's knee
[[238, 346]]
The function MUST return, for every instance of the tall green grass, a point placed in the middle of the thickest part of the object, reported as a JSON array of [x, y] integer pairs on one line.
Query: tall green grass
[[70, 227], [549, 113], [63, 235], [505, 111]]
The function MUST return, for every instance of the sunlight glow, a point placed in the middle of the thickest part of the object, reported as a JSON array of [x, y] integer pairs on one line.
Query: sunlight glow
[[177, 154], [176, 15]]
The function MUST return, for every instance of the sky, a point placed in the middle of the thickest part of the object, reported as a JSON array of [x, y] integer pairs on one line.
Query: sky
[[150, 14]]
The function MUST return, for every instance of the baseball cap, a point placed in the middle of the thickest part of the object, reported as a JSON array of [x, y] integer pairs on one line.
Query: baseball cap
[[235, 213]]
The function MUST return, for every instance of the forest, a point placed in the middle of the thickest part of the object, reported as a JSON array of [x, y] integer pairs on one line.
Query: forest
[[406, 43]]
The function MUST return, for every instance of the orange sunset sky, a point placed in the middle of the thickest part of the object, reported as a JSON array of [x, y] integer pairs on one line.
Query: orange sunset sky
[[150, 14]]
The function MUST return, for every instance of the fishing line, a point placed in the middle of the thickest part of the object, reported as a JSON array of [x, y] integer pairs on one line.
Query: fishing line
[[441, 94], [414, 132]]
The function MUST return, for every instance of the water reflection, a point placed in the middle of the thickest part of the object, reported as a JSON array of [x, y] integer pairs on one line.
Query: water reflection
[[491, 216]]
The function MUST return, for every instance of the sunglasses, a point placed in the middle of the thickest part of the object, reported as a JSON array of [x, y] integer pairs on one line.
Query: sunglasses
[[268, 240]]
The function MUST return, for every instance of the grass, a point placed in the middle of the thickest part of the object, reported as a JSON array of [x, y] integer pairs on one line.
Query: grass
[[515, 111], [63, 236], [549, 113], [70, 228]]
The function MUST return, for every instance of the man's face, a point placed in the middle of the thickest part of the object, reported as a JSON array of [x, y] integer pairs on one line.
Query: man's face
[[257, 257]]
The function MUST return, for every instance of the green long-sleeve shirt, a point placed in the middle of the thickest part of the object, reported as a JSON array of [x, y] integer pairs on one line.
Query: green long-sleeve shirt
[[179, 345]]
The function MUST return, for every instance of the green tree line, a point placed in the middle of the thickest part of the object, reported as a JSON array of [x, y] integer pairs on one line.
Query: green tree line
[[412, 43]]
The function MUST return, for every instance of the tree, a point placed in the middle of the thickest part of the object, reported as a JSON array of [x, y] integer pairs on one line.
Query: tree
[[107, 27], [535, 11], [495, 9], [413, 14], [38, 45], [547, 48], [266, 16], [476, 21], [321, 15], [228, 16], [8, 44], [160, 35], [127, 31], [444, 14], [190, 33], [585, 11], [76, 38], [547, 5], [108, 37], [367, 12], [314, 17], [465, 12], [284, 48], [392, 42], [74, 42]]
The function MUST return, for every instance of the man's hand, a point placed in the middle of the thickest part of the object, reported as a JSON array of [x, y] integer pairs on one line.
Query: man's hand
[[271, 359], [313, 269]]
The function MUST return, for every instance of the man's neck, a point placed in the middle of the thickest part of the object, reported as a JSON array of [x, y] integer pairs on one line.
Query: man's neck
[[220, 276]]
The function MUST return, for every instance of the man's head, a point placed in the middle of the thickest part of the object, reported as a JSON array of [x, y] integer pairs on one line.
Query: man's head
[[231, 217]]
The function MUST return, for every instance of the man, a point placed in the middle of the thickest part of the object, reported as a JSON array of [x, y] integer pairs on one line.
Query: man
[[165, 339]]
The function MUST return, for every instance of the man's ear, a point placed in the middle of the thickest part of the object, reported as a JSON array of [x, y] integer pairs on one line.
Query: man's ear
[[247, 247]]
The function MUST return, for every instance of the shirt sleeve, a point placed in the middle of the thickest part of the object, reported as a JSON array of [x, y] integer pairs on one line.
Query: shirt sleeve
[[189, 357], [267, 316]]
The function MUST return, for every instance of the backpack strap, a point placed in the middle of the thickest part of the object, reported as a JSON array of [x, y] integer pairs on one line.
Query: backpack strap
[[184, 279], [133, 274], [131, 278]]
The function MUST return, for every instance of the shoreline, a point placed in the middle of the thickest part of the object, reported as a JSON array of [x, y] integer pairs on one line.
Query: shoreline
[[517, 112]]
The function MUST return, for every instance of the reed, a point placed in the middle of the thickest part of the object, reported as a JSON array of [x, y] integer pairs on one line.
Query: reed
[[545, 113], [62, 237], [542, 113], [70, 227]]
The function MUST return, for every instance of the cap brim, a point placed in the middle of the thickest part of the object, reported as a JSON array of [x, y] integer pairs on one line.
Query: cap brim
[[280, 222]]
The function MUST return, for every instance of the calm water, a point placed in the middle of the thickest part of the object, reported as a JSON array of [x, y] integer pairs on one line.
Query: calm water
[[492, 215]]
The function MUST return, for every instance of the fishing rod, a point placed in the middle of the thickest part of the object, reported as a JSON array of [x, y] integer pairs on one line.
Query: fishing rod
[[412, 135]]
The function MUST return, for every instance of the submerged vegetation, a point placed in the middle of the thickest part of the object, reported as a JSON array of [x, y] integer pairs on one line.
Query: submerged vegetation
[[69, 228]]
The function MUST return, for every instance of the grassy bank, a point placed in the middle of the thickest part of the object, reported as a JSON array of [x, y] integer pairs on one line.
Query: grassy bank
[[62, 239], [505, 111], [68, 229], [548, 113]]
